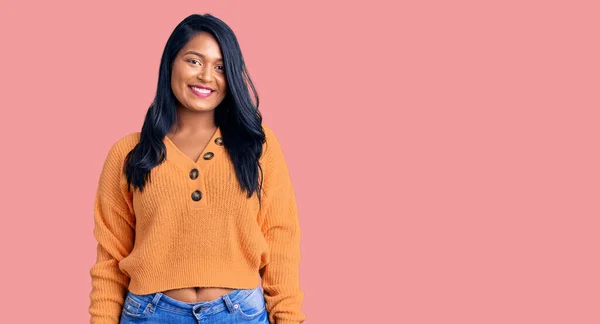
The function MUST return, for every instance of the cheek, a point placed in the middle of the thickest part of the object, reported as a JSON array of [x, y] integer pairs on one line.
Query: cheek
[[223, 85], [177, 81], [179, 73], [176, 88], [222, 94], [174, 80]]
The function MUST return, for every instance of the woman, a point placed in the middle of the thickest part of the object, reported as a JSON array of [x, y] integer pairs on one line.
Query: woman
[[195, 216]]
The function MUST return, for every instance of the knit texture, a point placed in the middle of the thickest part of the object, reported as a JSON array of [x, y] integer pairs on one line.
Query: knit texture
[[162, 238]]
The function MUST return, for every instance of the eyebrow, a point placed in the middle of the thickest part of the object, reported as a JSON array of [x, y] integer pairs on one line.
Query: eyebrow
[[202, 56]]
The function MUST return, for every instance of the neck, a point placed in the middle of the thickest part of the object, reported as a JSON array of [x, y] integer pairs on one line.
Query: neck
[[194, 122]]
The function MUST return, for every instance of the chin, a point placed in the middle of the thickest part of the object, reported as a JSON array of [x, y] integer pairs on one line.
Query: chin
[[203, 108]]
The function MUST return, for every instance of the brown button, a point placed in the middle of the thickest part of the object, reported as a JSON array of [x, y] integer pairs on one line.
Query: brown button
[[208, 155], [196, 195], [194, 174], [219, 141]]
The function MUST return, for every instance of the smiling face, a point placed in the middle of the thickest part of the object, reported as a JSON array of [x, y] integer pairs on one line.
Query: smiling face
[[198, 76]]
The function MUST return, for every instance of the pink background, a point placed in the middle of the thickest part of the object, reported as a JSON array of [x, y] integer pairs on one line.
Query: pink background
[[445, 154]]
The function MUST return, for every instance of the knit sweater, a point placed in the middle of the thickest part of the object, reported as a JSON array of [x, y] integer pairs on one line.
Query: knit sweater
[[193, 225]]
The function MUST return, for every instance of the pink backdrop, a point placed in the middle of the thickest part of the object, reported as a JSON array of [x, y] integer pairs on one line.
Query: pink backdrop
[[445, 154]]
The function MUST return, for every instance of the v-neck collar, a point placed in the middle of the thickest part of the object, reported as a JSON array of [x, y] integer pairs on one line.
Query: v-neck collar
[[214, 146]]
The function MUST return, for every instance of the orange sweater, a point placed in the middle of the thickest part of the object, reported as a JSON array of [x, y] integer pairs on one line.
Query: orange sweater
[[166, 238]]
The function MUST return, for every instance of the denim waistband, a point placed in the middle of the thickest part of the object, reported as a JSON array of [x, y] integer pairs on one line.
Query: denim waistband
[[207, 307]]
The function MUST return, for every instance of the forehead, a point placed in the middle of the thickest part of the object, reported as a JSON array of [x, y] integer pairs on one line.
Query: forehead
[[205, 44]]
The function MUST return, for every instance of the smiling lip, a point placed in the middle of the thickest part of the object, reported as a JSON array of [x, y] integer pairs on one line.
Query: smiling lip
[[200, 94]]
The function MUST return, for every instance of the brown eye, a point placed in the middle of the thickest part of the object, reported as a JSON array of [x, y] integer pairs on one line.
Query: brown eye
[[193, 60]]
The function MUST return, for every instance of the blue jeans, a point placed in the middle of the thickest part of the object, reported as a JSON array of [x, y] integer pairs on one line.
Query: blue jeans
[[237, 306]]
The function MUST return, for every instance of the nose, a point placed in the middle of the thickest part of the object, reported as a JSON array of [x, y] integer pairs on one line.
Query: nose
[[205, 73]]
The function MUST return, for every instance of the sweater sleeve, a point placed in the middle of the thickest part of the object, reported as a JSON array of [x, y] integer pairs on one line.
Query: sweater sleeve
[[114, 224], [280, 276]]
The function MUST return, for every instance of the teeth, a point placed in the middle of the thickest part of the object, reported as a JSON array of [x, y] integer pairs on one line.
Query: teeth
[[201, 90]]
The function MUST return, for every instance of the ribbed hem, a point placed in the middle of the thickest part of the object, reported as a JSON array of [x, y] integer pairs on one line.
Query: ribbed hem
[[209, 274], [278, 321]]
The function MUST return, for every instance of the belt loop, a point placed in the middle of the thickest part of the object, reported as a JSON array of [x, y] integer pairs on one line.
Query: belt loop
[[228, 303], [155, 300]]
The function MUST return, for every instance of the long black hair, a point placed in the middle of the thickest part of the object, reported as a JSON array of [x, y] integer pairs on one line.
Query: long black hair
[[237, 115]]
